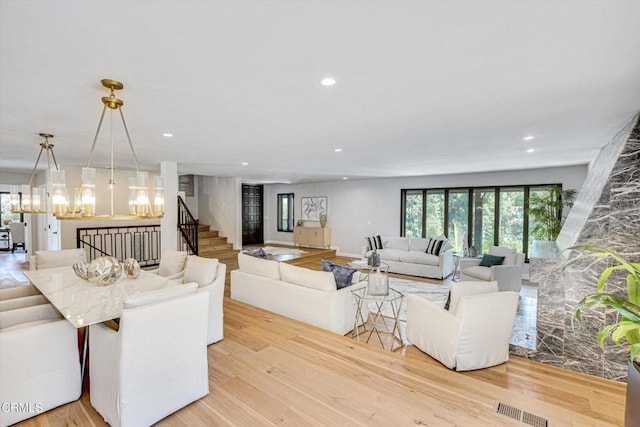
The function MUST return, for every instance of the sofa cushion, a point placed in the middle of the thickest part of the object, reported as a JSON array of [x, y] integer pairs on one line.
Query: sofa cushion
[[418, 244], [391, 254], [447, 244], [321, 280], [200, 270], [259, 266], [374, 242], [172, 262], [401, 243], [418, 257], [62, 258], [509, 254], [489, 260], [482, 273]]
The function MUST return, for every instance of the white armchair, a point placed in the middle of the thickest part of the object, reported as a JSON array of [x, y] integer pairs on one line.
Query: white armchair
[[209, 274], [39, 362], [473, 334], [508, 274], [18, 292], [52, 259], [156, 363], [172, 264]]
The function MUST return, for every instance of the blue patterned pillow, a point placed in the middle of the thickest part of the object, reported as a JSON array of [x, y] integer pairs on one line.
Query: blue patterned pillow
[[343, 275], [326, 265]]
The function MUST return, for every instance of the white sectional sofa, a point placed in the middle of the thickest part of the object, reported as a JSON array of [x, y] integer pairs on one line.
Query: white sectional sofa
[[407, 255], [299, 293]]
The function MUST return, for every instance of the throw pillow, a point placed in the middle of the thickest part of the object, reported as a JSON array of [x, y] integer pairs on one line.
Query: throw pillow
[[343, 275], [374, 242], [326, 265], [258, 253], [435, 246], [489, 260]]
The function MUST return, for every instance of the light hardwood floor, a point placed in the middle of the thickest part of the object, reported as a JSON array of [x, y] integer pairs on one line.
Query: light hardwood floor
[[270, 370]]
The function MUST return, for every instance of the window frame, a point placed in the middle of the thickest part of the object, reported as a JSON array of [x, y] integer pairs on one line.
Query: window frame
[[527, 188], [290, 212]]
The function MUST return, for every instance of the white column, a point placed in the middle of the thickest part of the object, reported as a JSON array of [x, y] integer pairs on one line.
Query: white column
[[169, 222]]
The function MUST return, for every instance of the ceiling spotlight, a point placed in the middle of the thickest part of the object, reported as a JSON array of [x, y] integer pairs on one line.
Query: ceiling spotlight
[[345, 178], [530, 150], [328, 81], [167, 135], [337, 150], [528, 138], [245, 164]]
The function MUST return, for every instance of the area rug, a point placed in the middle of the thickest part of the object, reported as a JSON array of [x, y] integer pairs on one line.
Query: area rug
[[272, 250], [524, 328], [437, 293]]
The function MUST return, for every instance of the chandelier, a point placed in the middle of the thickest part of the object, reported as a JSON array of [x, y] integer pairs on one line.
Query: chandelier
[[34, 199], [84, 196]]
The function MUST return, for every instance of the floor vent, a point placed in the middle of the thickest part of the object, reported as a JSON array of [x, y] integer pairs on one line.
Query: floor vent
[[520, 415]]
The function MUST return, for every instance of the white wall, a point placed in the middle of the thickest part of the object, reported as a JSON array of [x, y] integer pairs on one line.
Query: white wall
[[361, 208], [220, 206]]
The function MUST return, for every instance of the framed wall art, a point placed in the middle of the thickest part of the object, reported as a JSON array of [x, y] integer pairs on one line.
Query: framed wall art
[[312, 207]]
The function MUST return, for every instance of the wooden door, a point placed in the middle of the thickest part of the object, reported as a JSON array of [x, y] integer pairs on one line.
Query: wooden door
[[252, 226]]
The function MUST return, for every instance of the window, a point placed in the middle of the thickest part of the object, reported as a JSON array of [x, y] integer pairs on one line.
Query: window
[[458, 214], [5, 210], [480, 217], [285, 212], [413, 213], [435, 213]]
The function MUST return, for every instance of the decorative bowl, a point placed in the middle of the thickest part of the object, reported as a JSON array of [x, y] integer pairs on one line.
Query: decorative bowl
[[131, 268], [101, 271]]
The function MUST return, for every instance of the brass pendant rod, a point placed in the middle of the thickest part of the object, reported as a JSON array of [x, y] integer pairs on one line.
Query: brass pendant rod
[[53, 155], [33, 172], [111, 183], [126, 130], [95, 138]]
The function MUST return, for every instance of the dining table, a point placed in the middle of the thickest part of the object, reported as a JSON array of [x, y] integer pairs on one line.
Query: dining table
[[83, 303]]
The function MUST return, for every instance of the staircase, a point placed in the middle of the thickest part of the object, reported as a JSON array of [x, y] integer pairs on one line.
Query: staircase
[[211, 245]]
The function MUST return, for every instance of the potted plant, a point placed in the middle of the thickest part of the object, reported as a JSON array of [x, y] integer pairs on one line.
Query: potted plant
[[545, 206], [626, 331]]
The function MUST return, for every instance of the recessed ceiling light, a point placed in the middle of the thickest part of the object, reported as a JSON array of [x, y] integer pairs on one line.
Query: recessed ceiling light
[[344, 177], [245, 164], [328, 81], [337, 150], [167, 135], [528, 138], [530, 150]]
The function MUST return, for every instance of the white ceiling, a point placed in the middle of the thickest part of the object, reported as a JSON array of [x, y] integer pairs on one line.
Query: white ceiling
[[428, 87]]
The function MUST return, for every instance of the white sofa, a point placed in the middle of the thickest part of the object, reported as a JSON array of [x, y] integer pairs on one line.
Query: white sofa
[[407, 255], [299, 293]]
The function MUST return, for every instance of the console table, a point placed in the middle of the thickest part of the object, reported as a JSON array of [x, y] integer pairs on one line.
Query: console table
[[312, 236]]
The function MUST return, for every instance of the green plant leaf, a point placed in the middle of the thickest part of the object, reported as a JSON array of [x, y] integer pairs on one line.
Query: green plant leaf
[[604, 333], [622, 329], [633, 289]]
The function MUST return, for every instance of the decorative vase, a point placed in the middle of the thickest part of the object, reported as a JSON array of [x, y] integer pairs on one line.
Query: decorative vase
[[323, 220], [632, 411], [374, 259], [131, 268]]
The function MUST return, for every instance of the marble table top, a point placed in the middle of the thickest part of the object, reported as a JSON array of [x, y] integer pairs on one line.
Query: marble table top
[[83, 303]]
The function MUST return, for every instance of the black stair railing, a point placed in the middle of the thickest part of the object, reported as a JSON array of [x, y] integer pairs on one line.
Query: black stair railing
[[141, 242], [188, 227]]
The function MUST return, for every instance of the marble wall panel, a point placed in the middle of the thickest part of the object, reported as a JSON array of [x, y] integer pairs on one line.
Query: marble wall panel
[[610, 218]]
